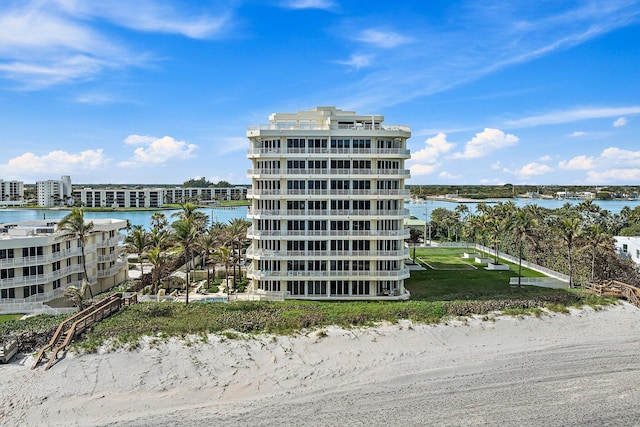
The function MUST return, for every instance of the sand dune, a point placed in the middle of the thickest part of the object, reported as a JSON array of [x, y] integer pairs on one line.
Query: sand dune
[[577, 369]]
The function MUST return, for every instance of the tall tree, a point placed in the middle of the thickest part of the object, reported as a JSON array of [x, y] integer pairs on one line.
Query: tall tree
[[522, 226], [569, 230], [191, 222], [137, 242], [74, 225]]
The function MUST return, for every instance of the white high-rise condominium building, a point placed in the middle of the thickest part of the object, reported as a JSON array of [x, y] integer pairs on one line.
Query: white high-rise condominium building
[[54, 192], [327, 206]]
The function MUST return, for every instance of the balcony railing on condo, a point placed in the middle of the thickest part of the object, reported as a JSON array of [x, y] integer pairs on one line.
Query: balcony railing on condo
[[329, 192], [401, 234], [346, 274], [288, 254], [331, 172], [400, 213], [373, 151], [318, 126], [39, 259], [39, 279]]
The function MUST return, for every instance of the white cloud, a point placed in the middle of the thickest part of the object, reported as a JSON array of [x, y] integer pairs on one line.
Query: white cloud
[[577, 134], [357, 61], [614, 176], [158, 151], [425, 160], [496, 165], [613, 166], [139, 139], [54, 163], [577, 163], [617, 156], [310, 4], [533, 169], [620, 122], [485, 142], [447, 175], [383, 39], [545, 158], [423, 169], [574, 115]]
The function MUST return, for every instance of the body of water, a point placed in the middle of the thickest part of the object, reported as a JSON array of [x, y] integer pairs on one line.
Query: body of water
[[419, 210], [142, 218]]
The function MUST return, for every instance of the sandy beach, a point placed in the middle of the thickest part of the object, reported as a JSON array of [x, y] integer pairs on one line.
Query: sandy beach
[[576, 369]]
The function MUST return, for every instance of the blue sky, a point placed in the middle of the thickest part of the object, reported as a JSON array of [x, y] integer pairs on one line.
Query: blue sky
[[154, 92]]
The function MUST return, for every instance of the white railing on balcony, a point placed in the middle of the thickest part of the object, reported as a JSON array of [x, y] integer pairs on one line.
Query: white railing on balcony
[[401, 234], [328, 212], [301, 274], [372, 253], [39, 279], [329, 171], [317, 126]]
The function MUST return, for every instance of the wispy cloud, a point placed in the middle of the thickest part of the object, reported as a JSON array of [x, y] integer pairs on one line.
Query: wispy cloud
[[440, 58], [357, 61], [383, 39], [577, 134], [49, 43], [619, 122], [310, 4], [573, 115]]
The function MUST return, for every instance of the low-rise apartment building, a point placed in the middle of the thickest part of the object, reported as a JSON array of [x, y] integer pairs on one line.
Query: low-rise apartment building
[[37, 262], [153, 197]]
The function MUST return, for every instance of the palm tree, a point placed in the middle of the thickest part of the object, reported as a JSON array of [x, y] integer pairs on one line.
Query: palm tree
[[74, 225], [596, 238], [158, 259], [236, 234], [522, 225], [185, 234], [222, 255], [414, 238], [206, 244], [186, 229], [569, 230], [137, 242]]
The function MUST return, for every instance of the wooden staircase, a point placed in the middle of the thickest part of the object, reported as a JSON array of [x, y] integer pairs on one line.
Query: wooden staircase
[[78, 323], [617, 289]]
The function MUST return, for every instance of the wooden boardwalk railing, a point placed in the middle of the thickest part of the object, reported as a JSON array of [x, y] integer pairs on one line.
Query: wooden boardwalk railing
[[617, 289], [78, 323]]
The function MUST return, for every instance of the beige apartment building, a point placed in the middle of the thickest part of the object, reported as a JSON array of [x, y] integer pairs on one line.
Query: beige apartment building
[[327, 206]]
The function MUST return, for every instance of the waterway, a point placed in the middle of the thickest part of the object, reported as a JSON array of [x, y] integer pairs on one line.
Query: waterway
[[418, 209], [142, 218], [422, 209]]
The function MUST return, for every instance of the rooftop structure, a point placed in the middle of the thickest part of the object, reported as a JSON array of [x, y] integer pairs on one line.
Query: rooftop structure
[[327, 206]]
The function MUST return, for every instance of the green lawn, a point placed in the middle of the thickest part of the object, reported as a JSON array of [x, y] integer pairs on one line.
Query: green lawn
[[9, 317], [454, 278]]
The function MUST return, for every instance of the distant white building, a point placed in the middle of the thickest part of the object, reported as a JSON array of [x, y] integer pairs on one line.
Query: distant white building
[[145, 197], [119, 197], [11, 192], [54, 192], [37, 262], [628, 247]]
